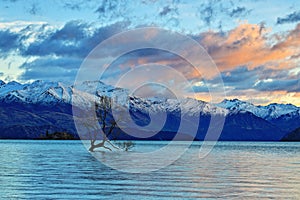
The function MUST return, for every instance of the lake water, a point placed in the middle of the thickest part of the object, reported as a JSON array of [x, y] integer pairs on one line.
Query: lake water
[[233, 170]]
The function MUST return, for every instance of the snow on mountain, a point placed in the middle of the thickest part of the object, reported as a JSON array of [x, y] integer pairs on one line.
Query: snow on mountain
[[244, 121], [36, 92], [269, 112], [84, 93], [11, 86], [98, 88], [277, 110], [290, 116], [189, 106], [194, 107], [150, 105]]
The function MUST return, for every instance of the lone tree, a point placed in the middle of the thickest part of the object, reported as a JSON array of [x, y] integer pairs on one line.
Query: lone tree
[[109, 128]]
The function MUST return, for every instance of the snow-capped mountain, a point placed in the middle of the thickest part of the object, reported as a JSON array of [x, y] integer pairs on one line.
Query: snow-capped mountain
[[28, 110], [269, 112], [48, 93], [189, 106], [43, 92], [11, 86], [38, 91]]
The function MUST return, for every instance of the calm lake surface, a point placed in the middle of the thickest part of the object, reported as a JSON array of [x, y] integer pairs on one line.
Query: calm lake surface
[[66, 170]]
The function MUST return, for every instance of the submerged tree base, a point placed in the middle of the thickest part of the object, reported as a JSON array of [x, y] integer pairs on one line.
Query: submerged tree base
[[125, 145]]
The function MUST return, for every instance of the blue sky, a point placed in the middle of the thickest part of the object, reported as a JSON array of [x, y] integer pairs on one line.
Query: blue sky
[[254, 43]]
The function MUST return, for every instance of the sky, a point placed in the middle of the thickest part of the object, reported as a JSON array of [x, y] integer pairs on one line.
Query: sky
[[254, 44]]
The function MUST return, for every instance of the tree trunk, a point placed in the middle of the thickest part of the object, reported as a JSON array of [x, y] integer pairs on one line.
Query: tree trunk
[[94, 146]]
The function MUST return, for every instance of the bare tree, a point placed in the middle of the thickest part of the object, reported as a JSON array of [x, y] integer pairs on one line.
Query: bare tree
[[109, 128]]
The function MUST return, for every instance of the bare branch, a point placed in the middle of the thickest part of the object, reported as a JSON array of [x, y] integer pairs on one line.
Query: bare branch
[[106, 147], [112, 144]]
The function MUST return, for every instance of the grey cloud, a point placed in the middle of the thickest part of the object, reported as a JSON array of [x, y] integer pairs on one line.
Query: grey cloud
[[290, 18], [239, 78], [34, 9], [9, 41], [56, 42], [72, 40], [199, 89], [49, 68], [291, 85], [107, 6], [259, 78], [165, 11], [61, 51], [168, 10], [76, 5], [295, 56], [112, 9], [206, 13], [238, 12], [72, 6]]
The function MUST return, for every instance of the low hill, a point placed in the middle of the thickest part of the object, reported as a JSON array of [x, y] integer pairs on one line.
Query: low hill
[[292, 136]]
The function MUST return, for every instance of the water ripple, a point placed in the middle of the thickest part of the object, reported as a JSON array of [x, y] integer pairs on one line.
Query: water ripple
[[233, 170]]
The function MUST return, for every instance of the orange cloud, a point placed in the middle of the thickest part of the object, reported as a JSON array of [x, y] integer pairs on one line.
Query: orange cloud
[[251, 45], [287, 97], [267, 97], [291, 41], [247, 45]]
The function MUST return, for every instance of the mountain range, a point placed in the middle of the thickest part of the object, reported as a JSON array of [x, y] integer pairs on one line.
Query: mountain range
[[28, 111]]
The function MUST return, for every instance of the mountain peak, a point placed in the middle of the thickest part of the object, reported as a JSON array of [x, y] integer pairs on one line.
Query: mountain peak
[[269, 112], [230, 103], [14, 83], [38, 81], [232, 100]]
